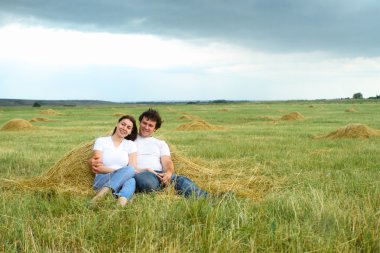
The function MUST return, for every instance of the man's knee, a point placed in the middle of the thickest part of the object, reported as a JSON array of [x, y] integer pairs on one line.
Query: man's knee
[[186, 187], [147, 182]]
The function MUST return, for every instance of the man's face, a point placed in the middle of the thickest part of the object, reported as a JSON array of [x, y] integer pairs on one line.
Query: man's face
[[147, 127]]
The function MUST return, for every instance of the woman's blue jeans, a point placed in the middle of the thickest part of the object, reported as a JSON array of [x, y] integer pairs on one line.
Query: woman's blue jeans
[[121, 181], [147, 181]]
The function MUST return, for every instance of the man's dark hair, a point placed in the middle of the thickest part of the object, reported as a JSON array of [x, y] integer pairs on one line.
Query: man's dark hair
[[152, 115]]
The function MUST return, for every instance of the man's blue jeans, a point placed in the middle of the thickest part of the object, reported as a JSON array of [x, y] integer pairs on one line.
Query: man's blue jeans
[[147, 181], [121, 181]]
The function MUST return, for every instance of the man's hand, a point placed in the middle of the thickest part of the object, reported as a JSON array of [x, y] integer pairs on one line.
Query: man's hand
[[95, 163], [168, 167], [165, 177]]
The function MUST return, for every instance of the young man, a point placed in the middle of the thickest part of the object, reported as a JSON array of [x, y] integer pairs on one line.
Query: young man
[[155, 167]]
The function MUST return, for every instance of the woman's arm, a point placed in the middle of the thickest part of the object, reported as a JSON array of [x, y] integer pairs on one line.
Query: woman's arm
[[133, 160]]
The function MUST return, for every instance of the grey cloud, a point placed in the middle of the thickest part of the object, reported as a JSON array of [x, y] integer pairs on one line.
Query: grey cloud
[[347, 28]]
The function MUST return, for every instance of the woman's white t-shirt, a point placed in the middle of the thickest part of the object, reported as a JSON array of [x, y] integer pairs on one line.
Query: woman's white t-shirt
[[114, 157]]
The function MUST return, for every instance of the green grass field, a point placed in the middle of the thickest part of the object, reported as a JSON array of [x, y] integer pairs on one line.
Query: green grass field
[[309, 195]]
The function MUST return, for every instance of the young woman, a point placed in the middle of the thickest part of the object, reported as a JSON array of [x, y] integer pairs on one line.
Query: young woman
[[116, 160]]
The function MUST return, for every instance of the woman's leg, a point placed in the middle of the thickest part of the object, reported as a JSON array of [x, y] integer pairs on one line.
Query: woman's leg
[[116, 179], [128, 189]]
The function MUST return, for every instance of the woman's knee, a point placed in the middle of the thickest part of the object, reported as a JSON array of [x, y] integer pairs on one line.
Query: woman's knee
[[127, 171]]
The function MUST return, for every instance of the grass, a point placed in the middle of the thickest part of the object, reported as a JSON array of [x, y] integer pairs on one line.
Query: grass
[[316, 195]]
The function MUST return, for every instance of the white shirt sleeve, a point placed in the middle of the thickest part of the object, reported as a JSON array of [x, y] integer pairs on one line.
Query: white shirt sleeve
[[98, 144], [132, 147], [164, 149]]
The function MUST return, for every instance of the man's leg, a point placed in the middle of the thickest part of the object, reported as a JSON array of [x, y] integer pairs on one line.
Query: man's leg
[[146, 181], [186, 187]]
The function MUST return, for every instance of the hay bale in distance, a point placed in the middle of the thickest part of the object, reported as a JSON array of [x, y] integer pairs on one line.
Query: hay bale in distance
[[350, 110], [49, 112], [118, 114], [293, 116], [18, 125], [196, 125], [185, 117], [39, 119], [353, 131]]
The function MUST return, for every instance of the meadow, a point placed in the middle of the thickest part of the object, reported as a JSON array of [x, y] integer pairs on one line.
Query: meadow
[[287, 190]]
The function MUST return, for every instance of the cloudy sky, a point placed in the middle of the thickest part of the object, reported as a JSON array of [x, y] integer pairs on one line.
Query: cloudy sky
[[165, 50]]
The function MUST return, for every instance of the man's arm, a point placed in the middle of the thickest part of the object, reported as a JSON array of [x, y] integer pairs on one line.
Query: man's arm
[[168, 167], [96, 164]]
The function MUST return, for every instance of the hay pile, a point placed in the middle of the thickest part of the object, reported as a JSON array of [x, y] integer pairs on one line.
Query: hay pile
[[72, 175], [350, 110], [39, 119], [49, 112], [118, 114], [215, 180], [17, 125], [223, 110], [353, 131], [186, 116], [196, 125], [293, 116]]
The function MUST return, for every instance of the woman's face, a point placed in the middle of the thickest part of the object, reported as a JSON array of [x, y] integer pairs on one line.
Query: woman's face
[[124, 128]]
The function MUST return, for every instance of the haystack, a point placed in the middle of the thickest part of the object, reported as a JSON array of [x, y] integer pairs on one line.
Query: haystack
[[353, 131], [18, 125], [119, 114], [293, 116], [72, 175], [49, 112], [350, 110], [197, 125], [39, 119], [186, 116]]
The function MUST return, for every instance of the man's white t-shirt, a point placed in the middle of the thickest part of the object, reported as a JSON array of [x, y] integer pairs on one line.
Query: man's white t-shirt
[[149, 152], [114, 157]]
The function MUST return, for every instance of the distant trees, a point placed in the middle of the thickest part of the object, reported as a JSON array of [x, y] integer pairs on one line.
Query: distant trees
[[36, 104], [377, 97], [358, 95]]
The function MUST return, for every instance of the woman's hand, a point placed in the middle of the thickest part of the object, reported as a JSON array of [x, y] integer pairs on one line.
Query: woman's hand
[[137, 171], [151, 170]]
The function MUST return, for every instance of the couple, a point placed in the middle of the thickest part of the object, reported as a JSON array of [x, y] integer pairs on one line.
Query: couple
[[131, 160]]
